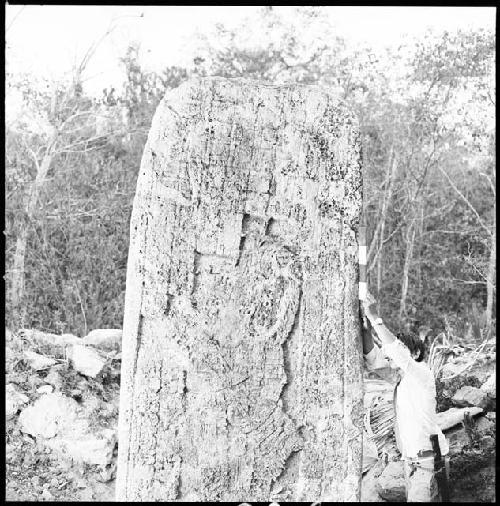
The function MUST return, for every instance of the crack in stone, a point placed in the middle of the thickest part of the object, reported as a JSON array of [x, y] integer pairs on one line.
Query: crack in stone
[[293, 455], [139, 341], [286, 353], [244, 228], [269, 226], [168, 304], [196, 275], [158, 392]]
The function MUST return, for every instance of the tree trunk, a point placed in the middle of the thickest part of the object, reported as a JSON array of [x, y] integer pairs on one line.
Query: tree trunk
[[380, 230], [418, 247], [242, 367], [490, 281], [410, 241], [18, 272], [18, 267]]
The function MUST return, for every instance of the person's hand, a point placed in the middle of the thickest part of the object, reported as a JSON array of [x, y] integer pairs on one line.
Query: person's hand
[[370, 307], [370, 299]]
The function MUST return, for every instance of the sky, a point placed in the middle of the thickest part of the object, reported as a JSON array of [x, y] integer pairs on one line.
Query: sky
[[47, 40]]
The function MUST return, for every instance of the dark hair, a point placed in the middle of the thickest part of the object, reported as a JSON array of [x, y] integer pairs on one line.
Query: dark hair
[[413, 343]]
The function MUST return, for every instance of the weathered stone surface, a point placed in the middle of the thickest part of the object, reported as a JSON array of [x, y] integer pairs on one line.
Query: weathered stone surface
[[470, 396], [93, 448], [49, 415], [54, 377], [391, 483], [105, 339], [14, 400], [61, 424], [369, 491], [86, 360], [45, 389], [481, 369], [241, 361], [484, 424], [490, 386], [38, 362], [47, 343], [9, 336], [453, 416]]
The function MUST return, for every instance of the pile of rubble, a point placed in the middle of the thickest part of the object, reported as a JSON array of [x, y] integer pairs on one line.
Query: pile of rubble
[[62, 395], [466, 405]]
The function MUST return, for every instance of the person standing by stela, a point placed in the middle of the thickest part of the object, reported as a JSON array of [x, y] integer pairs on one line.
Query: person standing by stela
[[414, 405]]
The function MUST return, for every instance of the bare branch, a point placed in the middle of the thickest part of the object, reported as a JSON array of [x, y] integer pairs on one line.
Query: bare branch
[[460, 232], [70, 147], [14, 18], [491, 100], [77, 115], [468, 259], [32, 153], [465, 199], [463, 281], [492, 186], [93, 47]]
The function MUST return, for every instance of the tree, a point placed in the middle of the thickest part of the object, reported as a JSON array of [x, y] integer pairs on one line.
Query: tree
[[55, 119], [241, 373]]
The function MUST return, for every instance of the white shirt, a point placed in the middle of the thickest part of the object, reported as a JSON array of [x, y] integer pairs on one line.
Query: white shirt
[[415, 400]]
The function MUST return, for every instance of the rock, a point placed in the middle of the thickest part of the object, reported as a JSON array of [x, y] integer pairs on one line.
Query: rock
[[87, 494], [14, 400], [38, 362], [49, 415], [80, 483], [470, 396], [60, 425], [105, 339], [107, 474], [369, 484], [9, 335], [46, 495], [490, 386], [260, 193], [484, 424], [454, 416], [391, 484], [45, 389], [85, 360], [47, 343], [481, 370], [54, 378], [93, 449], [458, 436]]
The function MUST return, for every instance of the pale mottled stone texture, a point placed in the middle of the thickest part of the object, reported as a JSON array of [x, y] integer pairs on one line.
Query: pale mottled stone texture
[[241, 375]]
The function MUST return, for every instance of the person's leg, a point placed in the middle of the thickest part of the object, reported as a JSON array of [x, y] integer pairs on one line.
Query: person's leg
[[407, 471], [447, 466], [421, 485]]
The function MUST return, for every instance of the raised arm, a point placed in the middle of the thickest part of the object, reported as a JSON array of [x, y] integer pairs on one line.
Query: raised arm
[[374, 323]]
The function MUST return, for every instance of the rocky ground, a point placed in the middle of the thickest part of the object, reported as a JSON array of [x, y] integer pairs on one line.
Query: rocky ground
[[62, 410], [61, 416]]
